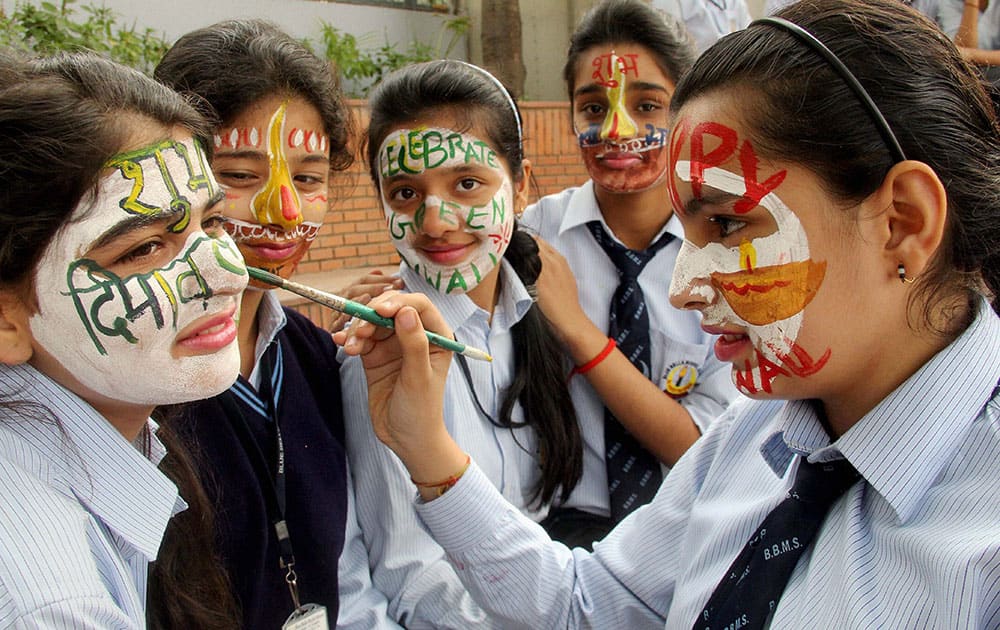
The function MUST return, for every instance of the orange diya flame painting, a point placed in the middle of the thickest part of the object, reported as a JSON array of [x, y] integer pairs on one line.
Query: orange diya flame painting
[[770, 294]]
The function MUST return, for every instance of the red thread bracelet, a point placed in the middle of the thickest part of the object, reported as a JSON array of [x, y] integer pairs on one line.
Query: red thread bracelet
[[590, 365], [444, 486]]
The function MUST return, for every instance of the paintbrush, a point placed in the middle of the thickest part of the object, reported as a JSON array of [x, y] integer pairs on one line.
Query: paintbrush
[[355, 309]]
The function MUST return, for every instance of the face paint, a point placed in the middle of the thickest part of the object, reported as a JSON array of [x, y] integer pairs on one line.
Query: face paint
[[274, 166], [439, 188], [624, 151], [131, 338], [277, 203], [284, 250], [765, 283]]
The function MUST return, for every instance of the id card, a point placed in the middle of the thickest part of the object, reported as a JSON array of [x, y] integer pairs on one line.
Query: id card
[[308, 617]]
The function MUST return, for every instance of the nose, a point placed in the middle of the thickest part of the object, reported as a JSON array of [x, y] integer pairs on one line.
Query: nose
[[617, 124], [690, 286], [438, 218], [278, 202]]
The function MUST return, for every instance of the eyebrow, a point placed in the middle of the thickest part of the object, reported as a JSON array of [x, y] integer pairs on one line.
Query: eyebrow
[[140, 221], [460, 169], [243, 154], [631, 86], [131, 224], [312, 158], [714, 198], [261, 156]]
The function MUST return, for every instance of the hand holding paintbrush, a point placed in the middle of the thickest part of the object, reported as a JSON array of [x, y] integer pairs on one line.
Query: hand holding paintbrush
[[360, 311]]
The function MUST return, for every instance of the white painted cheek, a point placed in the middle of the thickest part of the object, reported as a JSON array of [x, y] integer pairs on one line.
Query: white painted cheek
[[788, 243], [690, 274]]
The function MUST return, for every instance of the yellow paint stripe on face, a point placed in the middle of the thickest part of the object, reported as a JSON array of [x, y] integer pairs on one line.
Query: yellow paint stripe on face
[[617, 124], [277, 203], [748, 256]]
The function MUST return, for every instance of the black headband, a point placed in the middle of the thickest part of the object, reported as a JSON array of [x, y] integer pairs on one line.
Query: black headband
[[852, 81]]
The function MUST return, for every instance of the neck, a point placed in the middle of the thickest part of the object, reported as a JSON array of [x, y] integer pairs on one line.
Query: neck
[[635, 217], [487, 292], [129, 420], [910, 348], [247, 331]]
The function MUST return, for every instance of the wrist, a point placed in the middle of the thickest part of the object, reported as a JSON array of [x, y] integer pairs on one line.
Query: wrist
[[608, 348], [430, 490], [432, 459]]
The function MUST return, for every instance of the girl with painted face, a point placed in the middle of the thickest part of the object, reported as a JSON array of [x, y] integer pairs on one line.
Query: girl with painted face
[[649, 399], [119, 291], [445, 154], [847, 255], [273, 444]]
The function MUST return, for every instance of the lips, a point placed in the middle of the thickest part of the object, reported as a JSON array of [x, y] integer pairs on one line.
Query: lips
[[211, 333], [731, 343], [445, 254], [619, 160], [270, 250]]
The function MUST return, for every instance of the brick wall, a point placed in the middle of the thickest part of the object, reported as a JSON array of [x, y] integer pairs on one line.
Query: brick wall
[[354, 236]]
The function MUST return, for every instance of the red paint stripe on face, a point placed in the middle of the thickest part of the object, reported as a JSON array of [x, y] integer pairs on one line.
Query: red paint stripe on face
[[288, 208]]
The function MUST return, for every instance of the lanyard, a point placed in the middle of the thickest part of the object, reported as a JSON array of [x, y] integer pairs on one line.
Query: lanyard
[[273, 486]]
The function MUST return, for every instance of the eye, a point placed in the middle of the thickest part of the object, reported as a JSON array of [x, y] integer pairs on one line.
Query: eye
[[140, 252], [403, 194], [237, 179], [649, 107], [727, 225], [592, 109], [308, 180], [467, 184]]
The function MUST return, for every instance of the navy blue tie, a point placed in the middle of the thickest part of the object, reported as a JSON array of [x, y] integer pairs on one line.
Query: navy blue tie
[[634, 473], [749, 591]]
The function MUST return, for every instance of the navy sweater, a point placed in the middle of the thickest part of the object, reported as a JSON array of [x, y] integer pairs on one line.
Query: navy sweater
[[312, 430]]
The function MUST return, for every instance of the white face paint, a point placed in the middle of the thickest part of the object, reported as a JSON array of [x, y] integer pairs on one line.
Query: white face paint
[[439, 187], [771, 298], [131, 338]]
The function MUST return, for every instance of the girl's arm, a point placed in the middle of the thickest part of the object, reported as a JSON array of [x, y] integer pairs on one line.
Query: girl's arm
[[407, 564], [659, 422], [508, 563]]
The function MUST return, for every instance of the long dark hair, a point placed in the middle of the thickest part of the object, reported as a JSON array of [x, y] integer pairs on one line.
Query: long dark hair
[[61, 119], [231, 65], [473, 96], [934, 102], [631, 22]]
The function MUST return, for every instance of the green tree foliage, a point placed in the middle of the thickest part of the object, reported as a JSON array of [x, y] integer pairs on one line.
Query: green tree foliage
[[363, 66], [47, 28]]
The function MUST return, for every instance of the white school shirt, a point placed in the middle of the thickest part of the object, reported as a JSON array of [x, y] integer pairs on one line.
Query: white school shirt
[[407, 565], [914, 544], [83, 511], [707, 20], [362, 606], [677, 339]]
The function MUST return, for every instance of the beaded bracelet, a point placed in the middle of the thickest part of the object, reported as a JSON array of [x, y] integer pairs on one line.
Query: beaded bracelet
[[590, 365], [446, 485]]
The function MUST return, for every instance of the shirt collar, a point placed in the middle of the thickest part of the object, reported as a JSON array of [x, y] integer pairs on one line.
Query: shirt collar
[[270, 320], [86, 459], [458, 308], [903, 443], [583, 208]]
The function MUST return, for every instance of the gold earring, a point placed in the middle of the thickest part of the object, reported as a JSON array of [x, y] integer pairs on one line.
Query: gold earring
[[901, 270]]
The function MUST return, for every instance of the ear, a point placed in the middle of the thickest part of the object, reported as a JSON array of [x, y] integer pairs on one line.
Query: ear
[[522, 188], [15, 335], [915, 215]]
